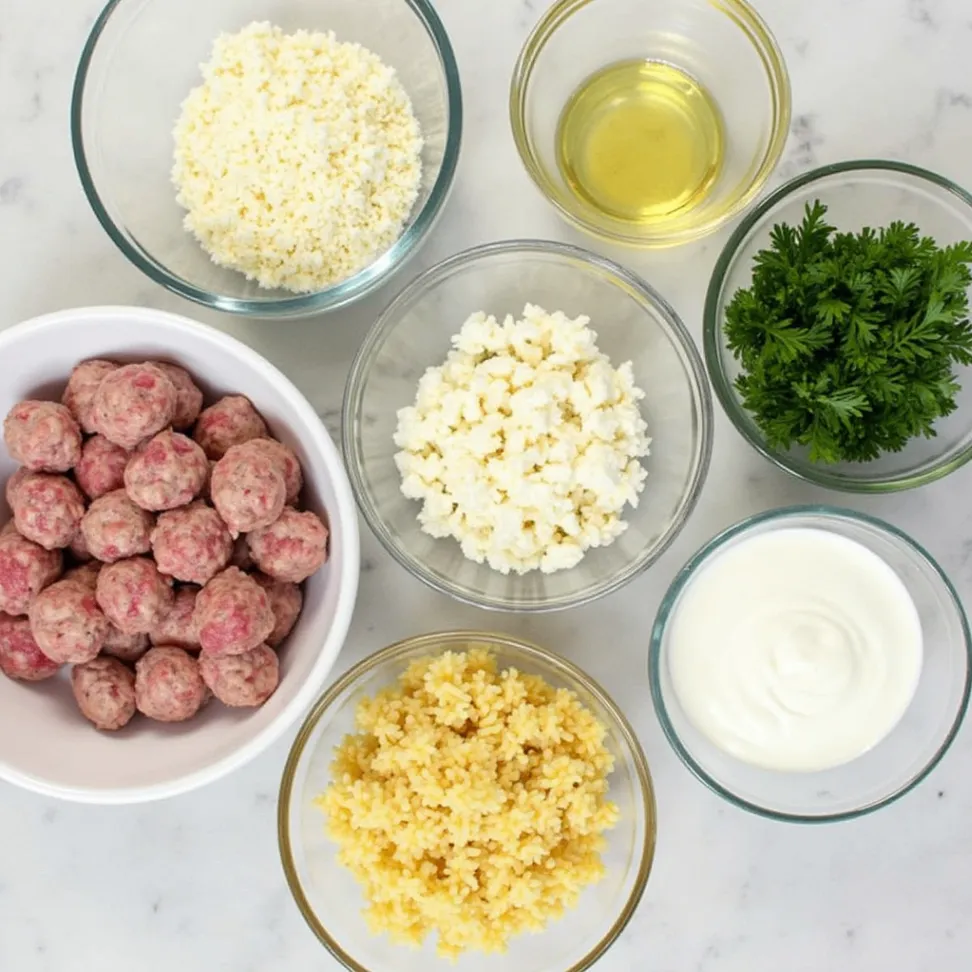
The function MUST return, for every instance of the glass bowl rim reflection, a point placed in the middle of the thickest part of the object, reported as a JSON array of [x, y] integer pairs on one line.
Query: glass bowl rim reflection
[[436, 643], [712, 333], [711, 548], [330, 298], [775, 73], [361, 367]]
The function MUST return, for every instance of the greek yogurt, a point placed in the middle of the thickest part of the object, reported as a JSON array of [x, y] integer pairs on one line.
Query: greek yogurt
[[795, 650]]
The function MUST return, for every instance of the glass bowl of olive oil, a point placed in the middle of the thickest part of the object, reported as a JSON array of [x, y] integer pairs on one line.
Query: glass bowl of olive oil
[[650, 122]]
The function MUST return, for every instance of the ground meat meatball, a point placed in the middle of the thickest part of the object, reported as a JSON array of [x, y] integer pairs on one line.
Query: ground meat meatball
[[232, 614], [115, 528], [286, 600], [13, 484], [42, 436], [178, 627], [86, 574], [20, 656], [133, 594], [101, 468], [166, 472], [48, 509], [25, 570], [248, 489], [292, 548], [168, 685], [248, 679], [231, 421], [128, 647], [132, 403], [189, 398], [191, 544], [287, 461], [105, 692], [79, 395], [67, 623]]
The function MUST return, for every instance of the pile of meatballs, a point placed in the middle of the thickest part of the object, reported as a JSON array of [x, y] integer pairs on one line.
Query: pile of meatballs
[[155, 545]]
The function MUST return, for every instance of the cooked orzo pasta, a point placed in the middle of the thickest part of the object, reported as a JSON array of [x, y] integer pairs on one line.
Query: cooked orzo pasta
[[471, 803]]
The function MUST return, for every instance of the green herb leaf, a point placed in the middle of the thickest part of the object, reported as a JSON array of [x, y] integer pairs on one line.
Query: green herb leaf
[[848, 342]]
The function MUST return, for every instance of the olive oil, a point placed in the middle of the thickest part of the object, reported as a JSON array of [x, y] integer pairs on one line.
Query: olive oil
[[641, 141]]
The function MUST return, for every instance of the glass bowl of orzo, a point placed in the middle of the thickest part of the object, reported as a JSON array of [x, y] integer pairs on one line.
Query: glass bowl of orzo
[[473, 796]]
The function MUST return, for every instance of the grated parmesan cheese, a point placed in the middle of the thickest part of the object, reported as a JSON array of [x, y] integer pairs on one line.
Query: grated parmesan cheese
[[298, 159]]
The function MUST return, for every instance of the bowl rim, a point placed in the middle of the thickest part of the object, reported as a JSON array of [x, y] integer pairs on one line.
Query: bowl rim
[[684, 577], [337, 295], [383, 326], [437, 642], [712, 330], [319, 439], [745, 17]]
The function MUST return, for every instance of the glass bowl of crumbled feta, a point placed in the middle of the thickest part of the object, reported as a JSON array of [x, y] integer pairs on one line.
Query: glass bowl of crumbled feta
[[527, 426], [273, 158]]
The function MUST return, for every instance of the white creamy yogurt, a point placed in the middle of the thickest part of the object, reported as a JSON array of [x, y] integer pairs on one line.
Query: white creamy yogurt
[[795, 650]]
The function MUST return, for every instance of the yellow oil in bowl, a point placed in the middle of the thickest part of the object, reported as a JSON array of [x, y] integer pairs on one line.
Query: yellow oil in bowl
[[641, 141]]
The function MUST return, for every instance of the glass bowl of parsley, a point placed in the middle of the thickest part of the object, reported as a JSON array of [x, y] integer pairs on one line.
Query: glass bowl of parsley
[[837, 332]]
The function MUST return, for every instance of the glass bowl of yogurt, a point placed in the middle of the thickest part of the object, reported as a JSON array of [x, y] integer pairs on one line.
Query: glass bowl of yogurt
[[811, 664]]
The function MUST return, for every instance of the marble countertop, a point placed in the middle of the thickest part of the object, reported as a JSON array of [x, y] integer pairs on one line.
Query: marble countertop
[[194, 883]]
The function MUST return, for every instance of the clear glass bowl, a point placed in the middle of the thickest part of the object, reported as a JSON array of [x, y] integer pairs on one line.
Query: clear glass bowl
[[724, 45], [857, 194], [633, 323], [331, 901], [900, 761], [139, 63]]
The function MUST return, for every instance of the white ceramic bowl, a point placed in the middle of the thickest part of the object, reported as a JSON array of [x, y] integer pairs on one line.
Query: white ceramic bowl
[[45, 744]]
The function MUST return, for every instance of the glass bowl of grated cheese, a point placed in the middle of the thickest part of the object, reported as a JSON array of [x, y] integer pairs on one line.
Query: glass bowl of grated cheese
[[548, 883], [527, 426], [270, 158]]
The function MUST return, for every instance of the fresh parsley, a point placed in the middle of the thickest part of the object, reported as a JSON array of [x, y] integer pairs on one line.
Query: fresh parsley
[[848, 341]]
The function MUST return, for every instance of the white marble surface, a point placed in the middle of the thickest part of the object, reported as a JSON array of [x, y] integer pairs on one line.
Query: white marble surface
[[194, 883]]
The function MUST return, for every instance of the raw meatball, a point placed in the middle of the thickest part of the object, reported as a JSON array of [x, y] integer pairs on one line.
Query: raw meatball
[[168, 471], [248, 489], [105, 692], [241, 554], [247, 679], [42, 436], [80, 391], [132, 403], [232, 614], [287, 460], [168, 685], [48, 509], [133, 594], [115, 528], [128, 647], [101, 468], [67, 623], [86, 574], [177, 627], [20, 656], [191, 544], [13, 484], [292, 548], [189, 398], [25, 570], [286, 600], [231, 421]]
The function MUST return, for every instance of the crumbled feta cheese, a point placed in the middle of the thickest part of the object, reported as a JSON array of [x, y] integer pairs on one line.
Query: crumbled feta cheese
[[524, 444], [298, 158]]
